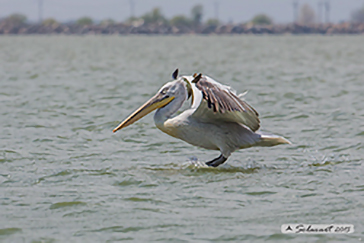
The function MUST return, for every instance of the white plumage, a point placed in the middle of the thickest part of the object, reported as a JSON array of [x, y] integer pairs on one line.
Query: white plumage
[[218, 118]]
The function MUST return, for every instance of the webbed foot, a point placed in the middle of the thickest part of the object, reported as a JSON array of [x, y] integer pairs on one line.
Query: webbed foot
[[216, 162]]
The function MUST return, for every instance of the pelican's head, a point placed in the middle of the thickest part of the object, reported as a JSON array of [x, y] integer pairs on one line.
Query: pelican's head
[[171, 91]]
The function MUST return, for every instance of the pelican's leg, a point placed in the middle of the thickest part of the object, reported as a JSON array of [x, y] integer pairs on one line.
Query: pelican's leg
[[216, 162]]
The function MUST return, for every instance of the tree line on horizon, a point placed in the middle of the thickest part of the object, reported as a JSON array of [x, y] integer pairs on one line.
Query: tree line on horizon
[[306, 16]]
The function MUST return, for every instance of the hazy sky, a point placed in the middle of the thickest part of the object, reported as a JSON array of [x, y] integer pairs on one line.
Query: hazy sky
[[229, 10]]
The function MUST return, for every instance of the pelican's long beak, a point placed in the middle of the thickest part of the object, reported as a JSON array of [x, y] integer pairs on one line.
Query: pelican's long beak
[[157, 101]]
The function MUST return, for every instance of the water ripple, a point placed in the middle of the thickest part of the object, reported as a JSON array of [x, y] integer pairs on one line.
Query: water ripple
[[66, 177]]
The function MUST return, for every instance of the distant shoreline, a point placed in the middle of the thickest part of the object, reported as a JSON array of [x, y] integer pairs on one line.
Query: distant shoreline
[[161, 29]]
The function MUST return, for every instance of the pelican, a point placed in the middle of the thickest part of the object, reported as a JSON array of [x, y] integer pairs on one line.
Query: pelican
[[218, 119]]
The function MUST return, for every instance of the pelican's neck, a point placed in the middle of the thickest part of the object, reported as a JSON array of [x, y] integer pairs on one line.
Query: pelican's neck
[[166, 112]]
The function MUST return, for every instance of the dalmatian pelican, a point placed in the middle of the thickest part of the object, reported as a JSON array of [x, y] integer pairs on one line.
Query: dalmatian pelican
[[218, 119]]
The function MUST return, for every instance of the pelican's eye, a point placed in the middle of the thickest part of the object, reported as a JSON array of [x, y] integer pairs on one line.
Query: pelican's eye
[[164, 91]]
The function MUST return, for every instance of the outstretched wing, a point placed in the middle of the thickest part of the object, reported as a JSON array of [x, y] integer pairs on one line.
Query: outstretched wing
[[219, 103]]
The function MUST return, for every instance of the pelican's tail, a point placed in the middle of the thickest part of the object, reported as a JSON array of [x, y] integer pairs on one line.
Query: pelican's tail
[[268, 139]]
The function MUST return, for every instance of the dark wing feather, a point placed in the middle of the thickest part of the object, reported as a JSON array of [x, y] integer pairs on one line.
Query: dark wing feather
[[220, 103]]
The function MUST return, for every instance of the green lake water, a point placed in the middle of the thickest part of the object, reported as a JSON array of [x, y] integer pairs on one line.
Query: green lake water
[[65, 177]]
